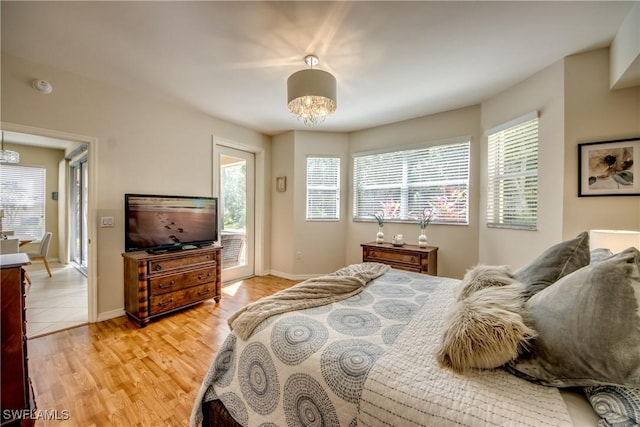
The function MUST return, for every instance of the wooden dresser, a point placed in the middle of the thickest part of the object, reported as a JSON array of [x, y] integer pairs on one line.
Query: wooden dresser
[[18, 402], [155, 285], [406, 257]]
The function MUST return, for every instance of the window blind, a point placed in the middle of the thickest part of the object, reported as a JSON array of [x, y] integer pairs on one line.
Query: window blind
[[323, 188], [22, 198], [513, 175], [402, 183]]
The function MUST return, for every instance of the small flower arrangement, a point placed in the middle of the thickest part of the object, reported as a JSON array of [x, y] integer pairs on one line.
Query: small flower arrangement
[[379, 216], [427, 216]]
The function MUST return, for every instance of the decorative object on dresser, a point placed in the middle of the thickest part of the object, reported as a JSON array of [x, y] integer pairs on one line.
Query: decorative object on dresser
[[423, 222], [380, 218], [397, 240], [156, 285], [17, 396], [407, 257]]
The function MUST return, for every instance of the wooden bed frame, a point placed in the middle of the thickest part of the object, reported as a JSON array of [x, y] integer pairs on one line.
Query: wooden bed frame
[[216, 415]]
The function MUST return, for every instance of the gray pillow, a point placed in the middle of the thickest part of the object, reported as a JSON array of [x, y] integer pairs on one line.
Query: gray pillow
[[588, 326], [599, 254], [555, 262]]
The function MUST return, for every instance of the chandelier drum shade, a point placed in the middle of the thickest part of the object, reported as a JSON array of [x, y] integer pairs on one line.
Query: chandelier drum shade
[[311, 93]]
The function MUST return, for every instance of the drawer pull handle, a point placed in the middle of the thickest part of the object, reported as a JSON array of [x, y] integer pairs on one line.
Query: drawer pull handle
[[200, 276], [163, 286], [204, 292], [163, 303], [157, 267]]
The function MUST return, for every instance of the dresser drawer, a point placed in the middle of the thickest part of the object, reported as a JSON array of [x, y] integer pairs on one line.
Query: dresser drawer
[[158, 284], [156, 266], [404, 267], [394, 257], [178, 299], [405, 257], [175, 282]]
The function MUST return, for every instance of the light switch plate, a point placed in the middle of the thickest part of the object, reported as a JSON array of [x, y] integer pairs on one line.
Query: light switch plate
[[106, 221]]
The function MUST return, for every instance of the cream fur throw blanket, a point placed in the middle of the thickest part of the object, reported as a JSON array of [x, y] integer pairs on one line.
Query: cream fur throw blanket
[[322, 290]]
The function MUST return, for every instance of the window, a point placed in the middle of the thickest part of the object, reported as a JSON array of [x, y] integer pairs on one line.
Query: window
[[512, 200], [401, 184], [323, 188], [22, 198]]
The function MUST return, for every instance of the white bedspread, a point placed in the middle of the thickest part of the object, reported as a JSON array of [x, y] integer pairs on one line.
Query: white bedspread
[[407, 387], [368, 359]]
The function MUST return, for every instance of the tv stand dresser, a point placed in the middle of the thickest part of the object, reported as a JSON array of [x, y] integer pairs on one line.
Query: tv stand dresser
[[157, 284]]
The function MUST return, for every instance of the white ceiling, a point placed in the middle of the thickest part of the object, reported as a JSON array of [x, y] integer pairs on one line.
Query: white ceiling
[[392, 60]]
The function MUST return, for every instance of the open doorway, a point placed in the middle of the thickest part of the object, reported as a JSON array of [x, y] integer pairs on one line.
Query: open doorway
[[237, 172], [66, 297]]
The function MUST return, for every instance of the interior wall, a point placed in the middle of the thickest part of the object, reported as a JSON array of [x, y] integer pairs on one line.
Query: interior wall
[[143, 146], [542, 92], [282, 222], [596, 113], [457, 244], [301, 249], [319, 245], [48, 158]]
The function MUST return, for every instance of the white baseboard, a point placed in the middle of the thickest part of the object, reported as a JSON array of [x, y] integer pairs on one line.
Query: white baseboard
[[110, 314], [291, 276]]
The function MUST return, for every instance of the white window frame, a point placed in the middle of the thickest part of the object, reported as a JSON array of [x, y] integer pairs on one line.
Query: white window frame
[[512, 173], [410, 198], [23, 191], [326, 191]]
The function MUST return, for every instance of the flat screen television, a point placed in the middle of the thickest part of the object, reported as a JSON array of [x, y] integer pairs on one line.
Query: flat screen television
[[164, 223]]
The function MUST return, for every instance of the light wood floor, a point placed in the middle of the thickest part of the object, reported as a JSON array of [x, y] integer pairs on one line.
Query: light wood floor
[[113, 373], [57, 302]]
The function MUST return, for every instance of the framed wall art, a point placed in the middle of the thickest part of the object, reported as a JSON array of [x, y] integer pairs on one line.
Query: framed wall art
[[609, 168]]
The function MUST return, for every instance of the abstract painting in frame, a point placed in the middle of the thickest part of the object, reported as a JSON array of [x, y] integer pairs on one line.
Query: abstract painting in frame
[[609, 168]]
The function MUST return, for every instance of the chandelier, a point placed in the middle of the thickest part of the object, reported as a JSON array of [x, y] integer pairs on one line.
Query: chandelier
[[311, 93], [8, 156]]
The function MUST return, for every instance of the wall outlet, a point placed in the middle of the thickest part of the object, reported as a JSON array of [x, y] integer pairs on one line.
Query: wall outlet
[[299, 255], [106, 221]]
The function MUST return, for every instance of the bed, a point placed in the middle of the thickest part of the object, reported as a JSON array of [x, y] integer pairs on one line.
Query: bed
[[370, 359]]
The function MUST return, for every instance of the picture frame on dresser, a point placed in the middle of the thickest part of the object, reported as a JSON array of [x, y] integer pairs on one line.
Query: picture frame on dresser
[[609, 168]]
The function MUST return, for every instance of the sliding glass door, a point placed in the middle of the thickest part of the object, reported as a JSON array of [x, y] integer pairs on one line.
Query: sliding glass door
[[78, 213], [237, 212]]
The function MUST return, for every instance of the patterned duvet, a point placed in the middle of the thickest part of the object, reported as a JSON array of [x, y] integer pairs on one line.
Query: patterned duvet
[[367, 361]]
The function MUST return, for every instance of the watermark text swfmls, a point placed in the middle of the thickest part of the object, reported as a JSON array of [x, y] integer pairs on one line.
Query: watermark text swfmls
[[36, 414]]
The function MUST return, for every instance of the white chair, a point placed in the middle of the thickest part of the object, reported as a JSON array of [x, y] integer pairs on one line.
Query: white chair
[[43, 251], [9, 246]]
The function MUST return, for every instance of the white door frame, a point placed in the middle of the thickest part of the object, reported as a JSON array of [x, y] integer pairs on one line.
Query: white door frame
[[92, 159], [259, 205]]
